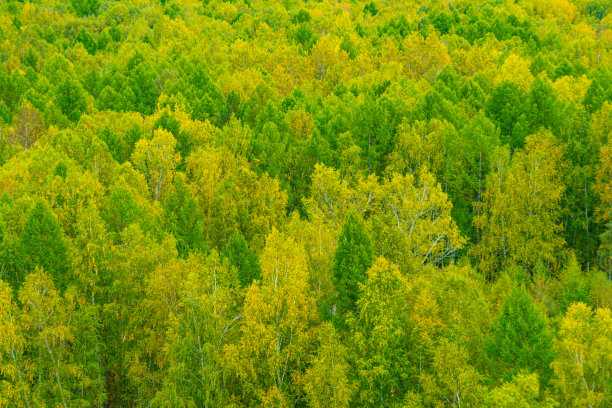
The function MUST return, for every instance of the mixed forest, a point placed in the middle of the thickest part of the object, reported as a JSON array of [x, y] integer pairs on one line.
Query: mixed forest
[[336, 203]]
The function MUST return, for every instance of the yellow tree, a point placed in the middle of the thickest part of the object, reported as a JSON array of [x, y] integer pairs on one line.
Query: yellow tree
[[516, 69], [28, 125], [583, 373], [332, 197], [413, 224], [381, 337], [276, 334], [232, 196], [417, 145], [326, 382], [424, 57], [193, 304], [520, 215], [522, 391], [47, 330], [156, 159], [135, 362], [451, 379], [328, 61], [14, 387], [319, 241]]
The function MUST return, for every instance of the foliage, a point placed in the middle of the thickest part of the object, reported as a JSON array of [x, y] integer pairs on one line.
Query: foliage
[[305, 203]]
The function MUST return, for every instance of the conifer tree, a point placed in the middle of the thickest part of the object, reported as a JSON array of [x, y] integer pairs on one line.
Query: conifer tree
[[519, 340], [183, 218], [42, 244], [352, 259], [243, 258]]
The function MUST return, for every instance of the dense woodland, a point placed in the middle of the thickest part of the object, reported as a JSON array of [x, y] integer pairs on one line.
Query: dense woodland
[[306, 203]]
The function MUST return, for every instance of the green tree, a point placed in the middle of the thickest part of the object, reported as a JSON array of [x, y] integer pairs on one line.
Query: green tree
[[243, 258], [144, 91], [183, 218], [519, 339], [70, 98], [508, 107], [573, 285], [353, 257], [86, 354], [85, 7], [42, 244]]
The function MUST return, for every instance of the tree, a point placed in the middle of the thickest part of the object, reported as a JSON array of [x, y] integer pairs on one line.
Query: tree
[[326, 382], [140, 288], [91, 256], [519, 218], [353, 257], [28, 125], [574, 286], [522, 391], [86, 353], [156, 159], [508, 109], [42, 244], [85, 7], [516, 69], [413, 226], [519, 339], [604, 210], [205, 322], [545, 111], [467, 169], [328, 61], [584, 349], [424, 57], [120, 209], [243, 259], [143, 91], [276, 334], [381, 341], [47, 331], [232, 197], [419, 145], [461, 305], [451, 380], [70, 98], [332, 198], [373, 132], [183, 218], [15, 386], [184, 141]]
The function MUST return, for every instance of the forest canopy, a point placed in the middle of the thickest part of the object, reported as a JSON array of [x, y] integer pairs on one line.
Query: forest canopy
[[333, 203]]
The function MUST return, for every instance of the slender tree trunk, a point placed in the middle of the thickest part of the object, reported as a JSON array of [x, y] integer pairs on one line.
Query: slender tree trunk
[[586, 216]]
